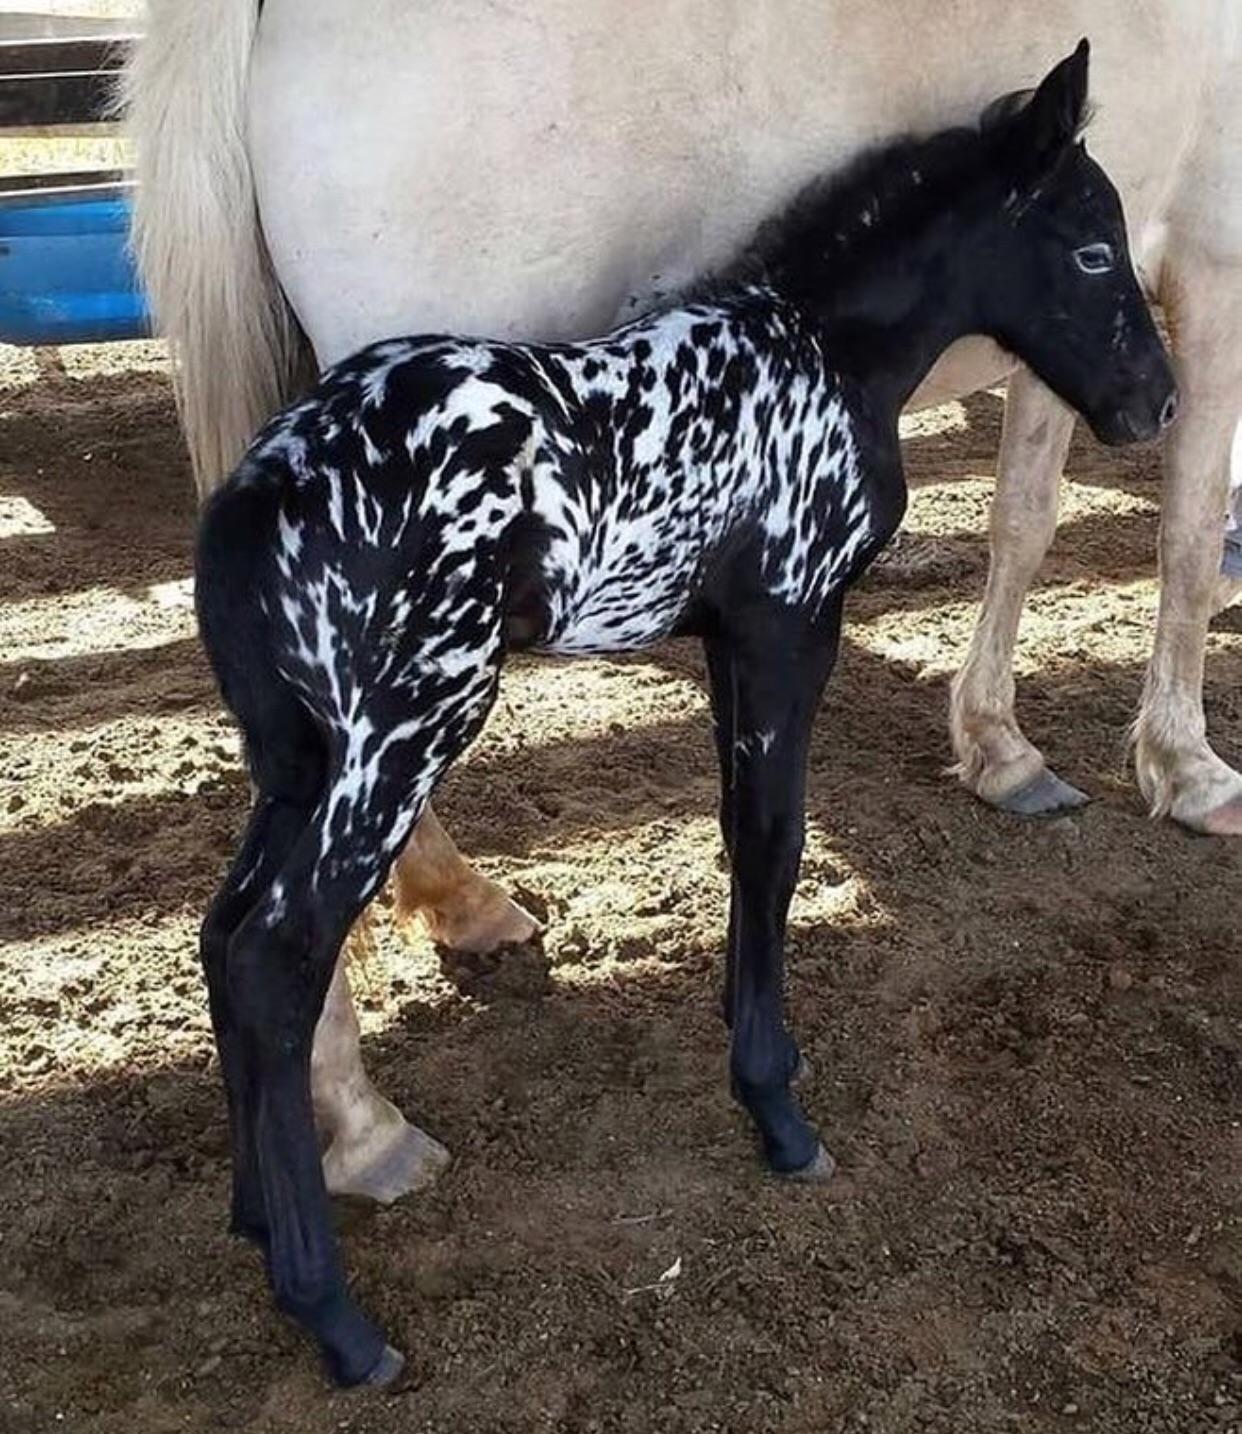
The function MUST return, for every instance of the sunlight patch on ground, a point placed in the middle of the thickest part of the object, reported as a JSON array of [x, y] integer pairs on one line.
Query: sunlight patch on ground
[[1072, 619], [960, 508], [547, 700], [22, 367], [668, 895], [19, 518], [58, 1033], [930, 422], [48, 777], [175, 594], [19, 368], [92, 621], [831, 890], [90, 361]]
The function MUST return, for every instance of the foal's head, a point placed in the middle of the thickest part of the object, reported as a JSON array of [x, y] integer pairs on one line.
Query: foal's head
[[1055, 281], [1008, 229]]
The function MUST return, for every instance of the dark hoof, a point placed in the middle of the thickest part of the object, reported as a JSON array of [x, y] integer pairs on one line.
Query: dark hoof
[[387, 1370], [1041, 796], [819, 1169]]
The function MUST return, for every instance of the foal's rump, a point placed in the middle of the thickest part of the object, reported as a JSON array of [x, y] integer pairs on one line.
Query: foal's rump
[[356, 644]]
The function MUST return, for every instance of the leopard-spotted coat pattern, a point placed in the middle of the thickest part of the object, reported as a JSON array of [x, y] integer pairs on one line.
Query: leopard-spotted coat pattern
[[435, 500]]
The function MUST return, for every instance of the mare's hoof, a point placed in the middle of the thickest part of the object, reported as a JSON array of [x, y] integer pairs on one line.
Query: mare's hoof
[[820, 1168], [408, 1162], [1044, 794], [482, 928], [1224, 820], [387, 1370]]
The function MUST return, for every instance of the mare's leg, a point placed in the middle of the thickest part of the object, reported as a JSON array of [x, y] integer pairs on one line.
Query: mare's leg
[[994, 758], [374, 1150], [1229, 589], [462, 908], [1178, 772], [767, 671]]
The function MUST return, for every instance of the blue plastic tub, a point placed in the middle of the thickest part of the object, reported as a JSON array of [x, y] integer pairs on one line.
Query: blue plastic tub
[[65, 273]]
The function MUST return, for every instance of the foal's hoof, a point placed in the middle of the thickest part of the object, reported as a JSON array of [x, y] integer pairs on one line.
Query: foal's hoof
[[409, 1161], [1044, 794], [387, 1370], [820, 1168]]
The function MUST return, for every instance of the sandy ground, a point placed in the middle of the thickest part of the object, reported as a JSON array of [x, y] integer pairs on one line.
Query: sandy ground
[[1026, 1037]]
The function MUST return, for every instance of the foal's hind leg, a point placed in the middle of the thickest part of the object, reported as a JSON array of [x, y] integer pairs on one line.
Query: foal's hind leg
[[282, 959], [767, 673], [994, 758], [279, 965], [289, 775]]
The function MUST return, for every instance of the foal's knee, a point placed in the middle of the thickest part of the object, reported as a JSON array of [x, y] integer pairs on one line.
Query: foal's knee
[[270, 984]]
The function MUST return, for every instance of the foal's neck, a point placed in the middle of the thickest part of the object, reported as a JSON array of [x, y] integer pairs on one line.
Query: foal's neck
[[902, 315], [878, 258]]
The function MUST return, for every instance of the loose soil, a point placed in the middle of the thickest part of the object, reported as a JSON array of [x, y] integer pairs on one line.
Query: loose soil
[[1025, 1036]]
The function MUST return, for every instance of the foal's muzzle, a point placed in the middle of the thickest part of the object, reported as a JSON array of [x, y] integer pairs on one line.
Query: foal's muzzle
[[1146, 412]]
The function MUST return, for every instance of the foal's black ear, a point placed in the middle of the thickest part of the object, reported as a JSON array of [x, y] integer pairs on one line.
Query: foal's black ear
[[1039, 128]]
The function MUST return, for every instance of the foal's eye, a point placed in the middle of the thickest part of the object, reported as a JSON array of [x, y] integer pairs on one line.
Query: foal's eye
[[1094, 258]]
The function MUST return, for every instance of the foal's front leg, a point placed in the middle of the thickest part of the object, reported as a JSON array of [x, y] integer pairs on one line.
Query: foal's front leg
[[767, 672]]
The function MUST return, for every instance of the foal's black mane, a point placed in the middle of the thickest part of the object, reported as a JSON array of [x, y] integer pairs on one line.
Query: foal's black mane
[[856, 217]]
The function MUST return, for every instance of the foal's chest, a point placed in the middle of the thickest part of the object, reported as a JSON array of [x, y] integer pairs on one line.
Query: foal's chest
[[764, 488]]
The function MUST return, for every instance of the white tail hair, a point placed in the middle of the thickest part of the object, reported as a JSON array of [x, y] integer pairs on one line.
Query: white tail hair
[[238, 353]]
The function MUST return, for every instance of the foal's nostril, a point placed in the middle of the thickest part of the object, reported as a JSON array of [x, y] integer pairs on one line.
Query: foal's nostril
[[1169, 412]]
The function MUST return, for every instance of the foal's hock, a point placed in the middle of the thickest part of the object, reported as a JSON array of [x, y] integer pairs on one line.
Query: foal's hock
[[723, 468]]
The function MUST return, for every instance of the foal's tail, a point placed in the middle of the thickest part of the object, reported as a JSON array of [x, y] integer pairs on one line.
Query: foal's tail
[[285, 749], [237, 349]]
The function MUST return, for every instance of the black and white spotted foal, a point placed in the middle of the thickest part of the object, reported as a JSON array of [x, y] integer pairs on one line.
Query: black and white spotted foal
[[725, 468]]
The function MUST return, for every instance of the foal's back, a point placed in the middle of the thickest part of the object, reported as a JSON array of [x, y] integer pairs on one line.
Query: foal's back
[[601, 488]]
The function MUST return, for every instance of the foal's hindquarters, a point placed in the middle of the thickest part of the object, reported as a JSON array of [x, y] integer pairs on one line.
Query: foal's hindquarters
[[331, 809]]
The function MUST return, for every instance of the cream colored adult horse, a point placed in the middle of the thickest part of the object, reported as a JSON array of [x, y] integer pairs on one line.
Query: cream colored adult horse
[[536, 169]]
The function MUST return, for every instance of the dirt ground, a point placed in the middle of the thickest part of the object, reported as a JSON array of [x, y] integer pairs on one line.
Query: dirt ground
[[1026, 1037]]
